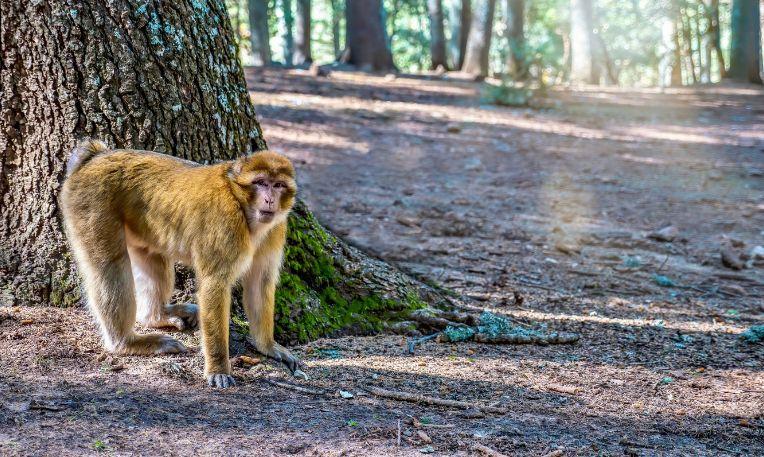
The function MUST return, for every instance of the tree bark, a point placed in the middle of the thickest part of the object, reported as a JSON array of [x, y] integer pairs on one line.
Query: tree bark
[[479, 40], [516, 65], [302, 54], [259, 32], [366, 36], [437, 34], [162, 76], [745, 55], [582, 43]]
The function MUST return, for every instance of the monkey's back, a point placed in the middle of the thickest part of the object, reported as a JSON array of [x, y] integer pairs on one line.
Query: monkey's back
[[156, 198]]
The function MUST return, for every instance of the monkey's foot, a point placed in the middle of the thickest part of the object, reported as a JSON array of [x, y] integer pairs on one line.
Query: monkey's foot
[[183, 317], [220, 380], [281, 354], [151, 344]]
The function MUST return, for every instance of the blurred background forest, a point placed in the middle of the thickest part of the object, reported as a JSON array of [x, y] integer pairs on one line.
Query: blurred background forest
[[637, 43]]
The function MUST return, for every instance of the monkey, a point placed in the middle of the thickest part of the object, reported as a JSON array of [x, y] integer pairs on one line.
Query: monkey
[[129, 215]]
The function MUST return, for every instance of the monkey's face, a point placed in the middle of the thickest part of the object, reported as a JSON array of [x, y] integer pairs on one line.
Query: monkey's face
[[267, 179]]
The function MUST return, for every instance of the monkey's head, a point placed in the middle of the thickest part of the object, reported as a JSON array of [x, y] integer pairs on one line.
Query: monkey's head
[[267, 182]]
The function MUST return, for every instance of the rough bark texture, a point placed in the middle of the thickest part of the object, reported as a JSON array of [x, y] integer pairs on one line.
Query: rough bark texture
[[302, 54], [259, 33], [745, 55], [366, 37], [582, 68], [160, 76], [516, 64], [437, 34], [479, 41]]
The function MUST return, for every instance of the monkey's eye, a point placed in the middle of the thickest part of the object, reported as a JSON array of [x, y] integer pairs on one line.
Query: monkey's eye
[[260, 183], [279, 185]]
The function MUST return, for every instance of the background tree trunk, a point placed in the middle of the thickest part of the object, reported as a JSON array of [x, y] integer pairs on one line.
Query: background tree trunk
[[366, 36], [159, 76], [302, 54], [479, 41], [516, 64], [437, 34], [582, 67], [716, 36], [259, 32], [336, 6], [465, 21], [745, 55], [286, 9]]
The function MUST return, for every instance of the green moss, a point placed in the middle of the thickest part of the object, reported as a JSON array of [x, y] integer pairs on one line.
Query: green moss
[[317, 298]]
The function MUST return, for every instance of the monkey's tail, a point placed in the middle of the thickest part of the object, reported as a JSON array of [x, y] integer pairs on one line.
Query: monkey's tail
[[82, 153]]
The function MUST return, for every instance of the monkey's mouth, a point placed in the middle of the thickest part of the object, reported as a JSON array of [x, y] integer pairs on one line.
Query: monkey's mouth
[[265, 215]]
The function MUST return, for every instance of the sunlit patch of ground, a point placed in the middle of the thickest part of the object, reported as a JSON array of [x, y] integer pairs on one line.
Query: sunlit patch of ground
[[552, 204]]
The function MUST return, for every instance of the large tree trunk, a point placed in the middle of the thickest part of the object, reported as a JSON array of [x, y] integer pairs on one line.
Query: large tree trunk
[[745, 55], [259, 32], [160, 76], [302, 54], [366, 37], [437, 34], [336, 6], [479, 41], [583, 65], [516, 64]]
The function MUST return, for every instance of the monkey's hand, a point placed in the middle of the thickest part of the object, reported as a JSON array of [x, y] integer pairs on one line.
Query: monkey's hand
[[220, 380], [281, 354]]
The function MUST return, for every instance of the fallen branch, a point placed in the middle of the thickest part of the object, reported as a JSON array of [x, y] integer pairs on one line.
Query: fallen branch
[[551, 338], [296, 388], [415, 398], [487, 450]]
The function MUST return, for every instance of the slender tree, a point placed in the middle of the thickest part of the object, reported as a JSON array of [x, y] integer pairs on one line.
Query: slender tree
[[465, 22], [302, 54], [479, 41], [163, 76], [286, 9], [366, 36], [437, 34], [516, 62], [745, 55], [583, 65], [715, 33], [336, 6], [259, 33]]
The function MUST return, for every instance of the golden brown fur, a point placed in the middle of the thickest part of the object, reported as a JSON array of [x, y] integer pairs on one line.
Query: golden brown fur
[[129, 215]]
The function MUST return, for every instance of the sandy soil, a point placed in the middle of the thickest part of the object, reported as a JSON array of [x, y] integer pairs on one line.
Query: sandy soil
[[538, 214]]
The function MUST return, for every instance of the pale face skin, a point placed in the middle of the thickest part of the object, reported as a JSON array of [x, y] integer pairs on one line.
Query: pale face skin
[[268, 193]]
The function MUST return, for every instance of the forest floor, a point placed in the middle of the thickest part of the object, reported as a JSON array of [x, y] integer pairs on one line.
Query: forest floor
[[539, 214]]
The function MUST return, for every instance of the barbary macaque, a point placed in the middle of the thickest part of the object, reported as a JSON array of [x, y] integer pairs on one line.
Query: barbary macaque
[[129, 215]]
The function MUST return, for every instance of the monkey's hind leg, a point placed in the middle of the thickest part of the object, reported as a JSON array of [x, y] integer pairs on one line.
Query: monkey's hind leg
[[105, 266], [154, 278]]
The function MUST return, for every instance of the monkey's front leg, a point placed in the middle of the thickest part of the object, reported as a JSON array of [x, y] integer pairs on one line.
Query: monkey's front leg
[[215, 306], [259, 300]]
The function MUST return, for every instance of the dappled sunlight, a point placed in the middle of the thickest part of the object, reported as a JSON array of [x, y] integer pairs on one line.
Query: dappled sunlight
[[314, 138], [711, 326]]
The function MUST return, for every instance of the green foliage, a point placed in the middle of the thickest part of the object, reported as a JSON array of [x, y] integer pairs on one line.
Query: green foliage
[[754, 334], [506, 94]]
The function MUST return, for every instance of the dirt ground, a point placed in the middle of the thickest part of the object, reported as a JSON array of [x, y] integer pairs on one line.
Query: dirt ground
[[540, 214]]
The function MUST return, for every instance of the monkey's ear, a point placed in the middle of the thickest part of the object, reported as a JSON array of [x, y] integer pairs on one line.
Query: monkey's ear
[[235, 170]]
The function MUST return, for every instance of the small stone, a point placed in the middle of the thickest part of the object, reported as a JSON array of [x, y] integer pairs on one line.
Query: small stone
[[666, 234]]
